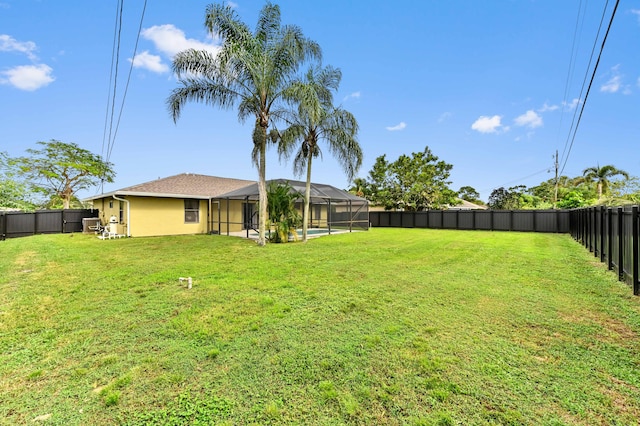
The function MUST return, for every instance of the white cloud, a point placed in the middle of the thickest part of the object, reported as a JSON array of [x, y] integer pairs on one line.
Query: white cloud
[[529, 119], [444, 116], [170, 40], [486, 124], [150, 62], [571, 105], [637, 13], [546, 107], [232, 5], [613, 85], [397, 127], [27, 77], [10, 44], [354, 95]]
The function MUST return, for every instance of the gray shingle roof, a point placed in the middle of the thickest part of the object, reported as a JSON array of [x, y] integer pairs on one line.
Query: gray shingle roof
[[182, 185], [319, 192]]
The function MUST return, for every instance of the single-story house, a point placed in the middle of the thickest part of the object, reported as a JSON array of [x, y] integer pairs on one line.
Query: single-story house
[[467, 205], [198, 204]]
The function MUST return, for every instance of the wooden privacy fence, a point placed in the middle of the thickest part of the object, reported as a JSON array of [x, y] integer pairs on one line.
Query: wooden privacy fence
[[490, 220], [21, 224], [611, 234]]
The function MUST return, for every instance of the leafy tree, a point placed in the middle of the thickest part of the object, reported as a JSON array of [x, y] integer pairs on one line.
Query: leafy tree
[[504, 199], [412, 183], [60, 169], [469, 193], [515, 198], [602, 177], [13, 194], [251, 71], [572, 192], [281, 207], [360, 188], [626, 191], [313, 120], [573, 200]]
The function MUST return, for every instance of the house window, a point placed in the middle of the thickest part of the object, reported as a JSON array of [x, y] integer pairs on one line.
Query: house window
[[191, 211], [121, 211]]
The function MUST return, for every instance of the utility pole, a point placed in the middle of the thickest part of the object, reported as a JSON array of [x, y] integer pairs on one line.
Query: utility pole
[[555, 194]]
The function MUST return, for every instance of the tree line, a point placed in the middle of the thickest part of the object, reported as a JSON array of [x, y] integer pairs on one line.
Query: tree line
[[420, 181], [597, 185]]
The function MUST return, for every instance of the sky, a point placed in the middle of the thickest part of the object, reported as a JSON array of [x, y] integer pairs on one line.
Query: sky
[[492, 87]]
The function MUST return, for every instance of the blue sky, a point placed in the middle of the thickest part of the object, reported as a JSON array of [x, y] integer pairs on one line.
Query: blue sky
[[490, 86]]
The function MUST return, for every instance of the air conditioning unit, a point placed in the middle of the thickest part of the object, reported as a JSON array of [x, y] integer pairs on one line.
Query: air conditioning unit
[[90, 225]]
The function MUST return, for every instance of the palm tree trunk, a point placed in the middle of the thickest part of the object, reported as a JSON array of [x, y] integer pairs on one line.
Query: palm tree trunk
[[262, 191], [599, 190], [307, 199]]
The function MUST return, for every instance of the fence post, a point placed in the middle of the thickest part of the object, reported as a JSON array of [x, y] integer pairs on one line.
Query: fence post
[[620, 245], [583, 233], [634, 255], [592, 231], [3, 226], [601, 242], [609, 215]]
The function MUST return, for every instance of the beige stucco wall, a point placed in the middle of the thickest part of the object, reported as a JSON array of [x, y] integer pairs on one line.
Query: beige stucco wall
[[110, 207], [153, 216], [164, 216]]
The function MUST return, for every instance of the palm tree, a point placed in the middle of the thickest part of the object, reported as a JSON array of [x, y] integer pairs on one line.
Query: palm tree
[[251, 71], [602, 176], [314, 119]]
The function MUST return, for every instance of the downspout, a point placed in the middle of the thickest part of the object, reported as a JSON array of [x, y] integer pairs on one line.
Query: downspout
[[128, 214]]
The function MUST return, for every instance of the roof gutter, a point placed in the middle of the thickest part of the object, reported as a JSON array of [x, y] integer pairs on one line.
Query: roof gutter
[[128, 214]]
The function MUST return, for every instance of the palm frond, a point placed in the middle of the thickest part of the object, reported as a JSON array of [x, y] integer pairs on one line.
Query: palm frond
[[199, 90]]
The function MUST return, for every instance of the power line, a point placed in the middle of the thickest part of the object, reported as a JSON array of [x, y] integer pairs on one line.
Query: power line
[[115, 79], [520, 179], [572, 62], [126, 88], [595, 68], [113, 82], [584, 79], [113, 56]]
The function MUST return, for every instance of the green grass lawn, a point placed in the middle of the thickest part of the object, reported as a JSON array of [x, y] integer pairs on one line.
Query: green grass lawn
[[389, 326]]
